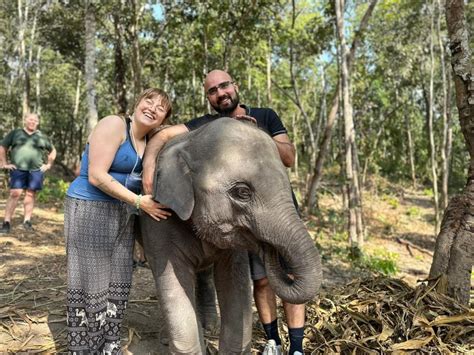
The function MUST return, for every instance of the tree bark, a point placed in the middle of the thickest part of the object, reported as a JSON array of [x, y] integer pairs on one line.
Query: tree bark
[[411, 152], [447, 130], [454, 251], [269, 72], [90, 68], [349, 133], [38, 81], [137, 10], [119, 66], [326, 140], [434, 169], [23, 19]]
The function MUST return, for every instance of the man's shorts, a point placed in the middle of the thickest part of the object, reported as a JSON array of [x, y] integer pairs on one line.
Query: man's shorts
[[26, 180], [257, 268]]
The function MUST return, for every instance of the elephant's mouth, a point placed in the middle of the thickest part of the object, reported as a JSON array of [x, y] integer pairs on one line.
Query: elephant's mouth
[[276, 264]]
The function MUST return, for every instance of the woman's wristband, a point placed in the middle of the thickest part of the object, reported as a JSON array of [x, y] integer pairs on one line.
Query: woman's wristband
[[137, 201]]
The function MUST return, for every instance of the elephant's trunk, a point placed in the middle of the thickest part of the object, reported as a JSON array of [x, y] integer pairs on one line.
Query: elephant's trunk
[[290, 240]]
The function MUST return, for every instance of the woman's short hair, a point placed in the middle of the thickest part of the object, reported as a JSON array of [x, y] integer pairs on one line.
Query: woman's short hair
[[152, 93]]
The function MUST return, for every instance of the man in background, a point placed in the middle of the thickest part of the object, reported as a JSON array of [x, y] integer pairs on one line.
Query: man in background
[[31, 155]]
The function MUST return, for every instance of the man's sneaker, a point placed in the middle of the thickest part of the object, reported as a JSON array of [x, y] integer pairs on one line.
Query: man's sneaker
[[28, 226], [297, 353], [271, 348], [5, 228]]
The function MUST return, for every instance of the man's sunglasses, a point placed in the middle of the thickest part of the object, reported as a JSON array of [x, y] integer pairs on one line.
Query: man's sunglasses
[[224, 85]]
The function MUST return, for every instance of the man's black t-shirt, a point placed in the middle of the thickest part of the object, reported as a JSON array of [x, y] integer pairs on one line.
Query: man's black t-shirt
[[266, 118]]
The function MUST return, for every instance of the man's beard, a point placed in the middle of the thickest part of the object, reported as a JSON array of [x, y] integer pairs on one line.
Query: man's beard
[[234, 102]]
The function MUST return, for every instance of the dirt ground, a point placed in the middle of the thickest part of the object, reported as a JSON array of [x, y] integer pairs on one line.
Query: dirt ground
[[33, 271]]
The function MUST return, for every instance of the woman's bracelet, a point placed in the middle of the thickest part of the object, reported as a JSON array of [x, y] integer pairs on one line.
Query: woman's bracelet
[[137, 201]]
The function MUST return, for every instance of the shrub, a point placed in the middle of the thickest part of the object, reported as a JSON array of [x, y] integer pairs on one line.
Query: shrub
[[381, 261], [54, 190]]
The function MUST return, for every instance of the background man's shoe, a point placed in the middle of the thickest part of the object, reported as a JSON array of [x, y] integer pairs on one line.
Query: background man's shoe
[[28, 226], [5, 228], [272, 349]]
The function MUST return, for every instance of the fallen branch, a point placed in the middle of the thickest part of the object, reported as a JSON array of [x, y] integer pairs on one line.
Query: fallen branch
[[411, 245]]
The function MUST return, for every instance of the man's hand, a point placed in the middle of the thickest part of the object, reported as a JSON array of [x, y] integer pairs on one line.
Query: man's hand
[[45, 167], [246, 118], [9, 167]]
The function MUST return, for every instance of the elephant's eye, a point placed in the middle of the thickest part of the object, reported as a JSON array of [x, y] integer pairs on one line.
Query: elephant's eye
[[241, 192]]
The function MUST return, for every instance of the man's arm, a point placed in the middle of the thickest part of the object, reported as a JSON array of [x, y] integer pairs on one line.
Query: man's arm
[[286, 149], [51, 158], [153, 147], [3, 159]]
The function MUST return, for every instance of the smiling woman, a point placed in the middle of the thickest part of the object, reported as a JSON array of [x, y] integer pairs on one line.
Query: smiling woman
[[99, 226]]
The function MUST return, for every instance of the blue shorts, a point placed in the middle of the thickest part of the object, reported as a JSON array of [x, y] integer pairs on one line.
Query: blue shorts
[[26, 180]]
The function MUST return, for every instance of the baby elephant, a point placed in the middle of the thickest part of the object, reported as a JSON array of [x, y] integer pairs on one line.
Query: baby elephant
[[230, 192]]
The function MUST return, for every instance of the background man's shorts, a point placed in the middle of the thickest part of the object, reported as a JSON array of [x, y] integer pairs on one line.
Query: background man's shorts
[[257, 268], [26, 180]]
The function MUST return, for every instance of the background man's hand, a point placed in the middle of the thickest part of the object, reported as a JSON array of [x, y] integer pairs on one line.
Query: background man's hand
[[9, 167], [246, 118], [45, 167]]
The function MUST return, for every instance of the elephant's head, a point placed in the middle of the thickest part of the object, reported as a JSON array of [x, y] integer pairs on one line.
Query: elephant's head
[[228, 178]]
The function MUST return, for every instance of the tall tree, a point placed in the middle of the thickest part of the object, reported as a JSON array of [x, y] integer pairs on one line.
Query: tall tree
[[351, 166], [23, 11], [331, 119], [90, 67], [454, 251], [430, 112], [447, 129]]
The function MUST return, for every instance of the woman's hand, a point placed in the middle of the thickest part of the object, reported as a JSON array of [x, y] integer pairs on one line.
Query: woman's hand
[[155, 209]]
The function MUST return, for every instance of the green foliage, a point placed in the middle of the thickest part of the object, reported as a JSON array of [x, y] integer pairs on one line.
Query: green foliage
[[428, 192], [391, 200], [381, 261], [54, 190], [413, 211]]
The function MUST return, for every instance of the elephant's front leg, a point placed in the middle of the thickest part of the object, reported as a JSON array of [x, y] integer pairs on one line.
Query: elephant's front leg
[[232, 279], [176, 294], [168, 244]]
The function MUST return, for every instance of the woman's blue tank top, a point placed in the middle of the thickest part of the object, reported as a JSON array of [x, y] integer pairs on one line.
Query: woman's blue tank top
[[126, 168]]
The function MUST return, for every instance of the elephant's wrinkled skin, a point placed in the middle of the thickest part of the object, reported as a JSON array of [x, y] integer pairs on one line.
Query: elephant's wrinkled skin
[[231, 193]]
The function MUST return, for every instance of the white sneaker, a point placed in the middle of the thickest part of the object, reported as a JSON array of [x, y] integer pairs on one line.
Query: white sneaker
[[271, 348], [297, 353]]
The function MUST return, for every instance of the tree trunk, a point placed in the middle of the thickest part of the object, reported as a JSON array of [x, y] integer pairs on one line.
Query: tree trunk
[[447, 131], [137, 10], [22, 20], [119, 66], [326, 140], [411, 152], [454, 251], [269, 72], [373, 149], [349, 134], [75, 115], [90, 68], [434, 172], [38, 81]]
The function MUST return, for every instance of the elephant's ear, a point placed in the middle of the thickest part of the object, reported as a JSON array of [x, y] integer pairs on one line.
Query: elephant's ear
[[173, 181]]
